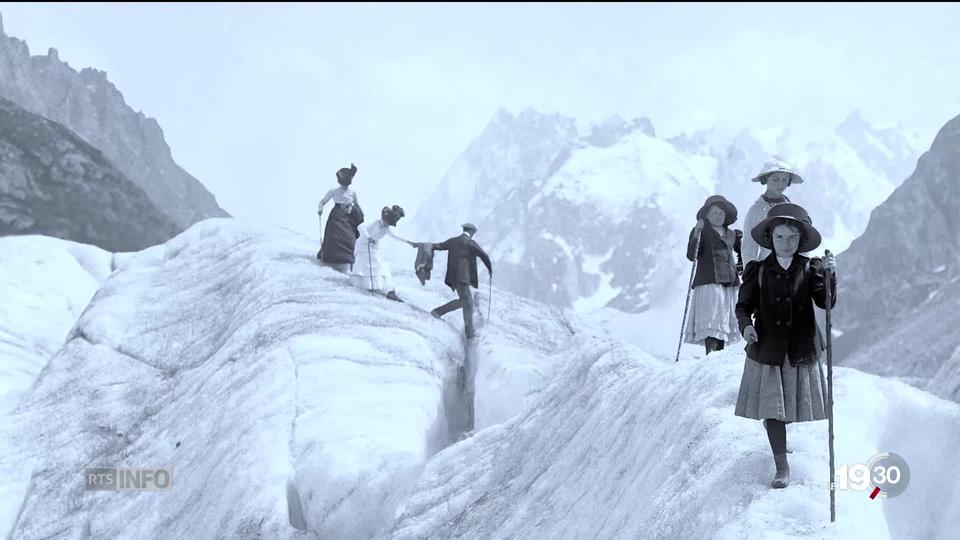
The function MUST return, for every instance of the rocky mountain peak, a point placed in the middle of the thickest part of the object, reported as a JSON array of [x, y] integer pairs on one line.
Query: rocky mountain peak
[[88, 104]]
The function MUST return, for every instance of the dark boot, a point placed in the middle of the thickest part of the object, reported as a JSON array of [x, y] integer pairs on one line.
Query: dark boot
[[436, 315], [782, 478], [393, 296], [711, 344]]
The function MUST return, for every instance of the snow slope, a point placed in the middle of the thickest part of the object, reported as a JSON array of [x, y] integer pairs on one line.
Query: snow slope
[[45, 283], [625, 446], [282, 397], [230, 355]]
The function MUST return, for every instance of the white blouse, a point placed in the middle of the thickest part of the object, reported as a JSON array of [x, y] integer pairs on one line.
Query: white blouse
[[340, 195], [378, 229]]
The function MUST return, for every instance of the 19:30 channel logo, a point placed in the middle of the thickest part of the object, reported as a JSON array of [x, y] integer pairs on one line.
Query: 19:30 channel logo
[[885, 476]]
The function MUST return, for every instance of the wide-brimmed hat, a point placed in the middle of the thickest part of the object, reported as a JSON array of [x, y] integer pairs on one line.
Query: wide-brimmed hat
[[795, 214], [728, 208], [469, 227], [778, 165], [345, 175]]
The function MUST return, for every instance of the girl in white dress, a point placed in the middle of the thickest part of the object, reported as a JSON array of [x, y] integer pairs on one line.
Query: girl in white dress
[[370, 271]]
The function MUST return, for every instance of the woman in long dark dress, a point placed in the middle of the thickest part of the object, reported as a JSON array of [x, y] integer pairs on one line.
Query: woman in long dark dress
[[340, 234]]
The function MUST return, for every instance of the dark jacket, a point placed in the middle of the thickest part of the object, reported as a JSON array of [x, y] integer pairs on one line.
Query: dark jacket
[[782, 313], [462, 260], [715, 261], [356, 218]]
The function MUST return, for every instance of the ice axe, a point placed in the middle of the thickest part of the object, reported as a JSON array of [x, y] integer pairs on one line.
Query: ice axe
[[370, 264], [686, 305]]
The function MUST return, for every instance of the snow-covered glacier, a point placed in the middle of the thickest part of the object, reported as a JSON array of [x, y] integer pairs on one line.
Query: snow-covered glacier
[[280, 396], [45, 283], [623, 445], [289, 404]]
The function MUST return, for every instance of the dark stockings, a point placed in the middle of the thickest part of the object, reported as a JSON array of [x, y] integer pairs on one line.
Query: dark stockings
[[777, 434], [712, 344]]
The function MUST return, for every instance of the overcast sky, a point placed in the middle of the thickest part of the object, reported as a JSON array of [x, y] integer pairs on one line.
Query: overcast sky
[[263, 103]]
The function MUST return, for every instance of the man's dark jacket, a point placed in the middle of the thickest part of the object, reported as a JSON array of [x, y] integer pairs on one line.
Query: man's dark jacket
[[782, 314], [462, 260]]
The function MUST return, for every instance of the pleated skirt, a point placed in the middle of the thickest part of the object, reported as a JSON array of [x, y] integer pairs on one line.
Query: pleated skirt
[[786, 393]]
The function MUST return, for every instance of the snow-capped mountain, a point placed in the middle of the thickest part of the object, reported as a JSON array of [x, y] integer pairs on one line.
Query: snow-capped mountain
[[92, 107], [601, 219], [511, 153], [900, 288]]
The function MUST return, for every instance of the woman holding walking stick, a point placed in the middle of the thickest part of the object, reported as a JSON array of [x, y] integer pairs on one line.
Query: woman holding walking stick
[[370, 270], [711, 320], [781, 382], [341, 233]]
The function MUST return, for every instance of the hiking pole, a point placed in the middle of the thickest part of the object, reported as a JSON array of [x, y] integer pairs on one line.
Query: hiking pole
[[320, 251], [370, 263], [686, 305], [489, 297], [827, 275]]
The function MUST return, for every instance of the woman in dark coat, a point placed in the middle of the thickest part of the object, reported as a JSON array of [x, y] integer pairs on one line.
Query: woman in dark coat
[[781, 381], [341, 233], [711, 321]]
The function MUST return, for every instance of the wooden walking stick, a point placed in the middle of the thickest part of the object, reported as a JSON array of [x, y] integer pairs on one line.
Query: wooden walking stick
[[489, 297], [370, 263], [686, 305], [827, 275]]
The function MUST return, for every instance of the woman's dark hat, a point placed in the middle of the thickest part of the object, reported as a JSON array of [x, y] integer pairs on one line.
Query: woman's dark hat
[[795, 214], [345, 175], [728, 208], [392, 214]]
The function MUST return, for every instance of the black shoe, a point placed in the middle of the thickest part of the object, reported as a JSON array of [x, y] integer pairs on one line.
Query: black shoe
[[436, 315], [393, 296]]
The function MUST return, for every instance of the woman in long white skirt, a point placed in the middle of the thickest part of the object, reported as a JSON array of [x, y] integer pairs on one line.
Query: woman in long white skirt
[[711, 321], [370, 271]]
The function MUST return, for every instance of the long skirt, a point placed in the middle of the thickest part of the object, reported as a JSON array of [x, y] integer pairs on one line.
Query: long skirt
[[369, 264], [338, 238], [786, 393], [711, 314]]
